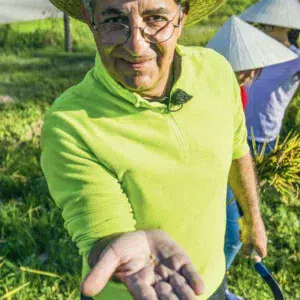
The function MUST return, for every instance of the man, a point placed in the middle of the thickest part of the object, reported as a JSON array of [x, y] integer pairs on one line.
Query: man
[[132, 155], [248, 50]]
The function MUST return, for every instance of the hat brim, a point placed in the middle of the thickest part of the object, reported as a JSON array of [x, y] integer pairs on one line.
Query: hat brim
[[198, 9], [247, 48], [280, 13]]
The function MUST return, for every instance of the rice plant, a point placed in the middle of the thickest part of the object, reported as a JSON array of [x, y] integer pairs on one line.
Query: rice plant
[[281, 167]]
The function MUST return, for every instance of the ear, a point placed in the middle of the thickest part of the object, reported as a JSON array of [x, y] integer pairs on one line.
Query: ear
[[184, 13], [182, 17]]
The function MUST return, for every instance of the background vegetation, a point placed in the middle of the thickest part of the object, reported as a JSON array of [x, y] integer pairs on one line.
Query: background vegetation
[[34, 70]]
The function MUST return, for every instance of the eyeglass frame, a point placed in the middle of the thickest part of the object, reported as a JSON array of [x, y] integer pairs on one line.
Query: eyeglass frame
[[142, 29]]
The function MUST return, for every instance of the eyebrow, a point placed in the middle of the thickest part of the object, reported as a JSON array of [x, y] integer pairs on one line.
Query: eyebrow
[[116, 11], [156, 11]]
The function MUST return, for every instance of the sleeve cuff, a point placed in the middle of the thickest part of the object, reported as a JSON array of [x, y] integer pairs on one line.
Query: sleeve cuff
[[240, 151]]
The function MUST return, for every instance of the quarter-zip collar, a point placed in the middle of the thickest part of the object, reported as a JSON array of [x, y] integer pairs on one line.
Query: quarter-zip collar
[[117, 89]]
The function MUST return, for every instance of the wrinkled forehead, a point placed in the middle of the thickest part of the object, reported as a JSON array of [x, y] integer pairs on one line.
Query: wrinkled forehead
[[129, 6]]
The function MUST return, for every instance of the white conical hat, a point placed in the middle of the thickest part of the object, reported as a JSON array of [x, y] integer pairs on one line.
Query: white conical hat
[[248, 48], [26, 10], [283, 13]]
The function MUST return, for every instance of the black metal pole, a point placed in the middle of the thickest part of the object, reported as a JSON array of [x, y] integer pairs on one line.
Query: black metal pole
[[68, 37]]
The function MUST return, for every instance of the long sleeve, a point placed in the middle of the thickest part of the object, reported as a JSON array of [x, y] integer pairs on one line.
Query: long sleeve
[[90, 196]]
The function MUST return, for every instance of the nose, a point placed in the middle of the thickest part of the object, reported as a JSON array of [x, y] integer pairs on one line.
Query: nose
[[136, 44]]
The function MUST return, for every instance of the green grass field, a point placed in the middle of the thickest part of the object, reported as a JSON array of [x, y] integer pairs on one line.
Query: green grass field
[[34, 70]]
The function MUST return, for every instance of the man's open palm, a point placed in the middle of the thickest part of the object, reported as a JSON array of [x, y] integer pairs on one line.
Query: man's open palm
[[127, 258]]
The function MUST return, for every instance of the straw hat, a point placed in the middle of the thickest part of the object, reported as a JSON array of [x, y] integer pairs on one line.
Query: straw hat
[[248, 48], [282, 13], [198, 9]]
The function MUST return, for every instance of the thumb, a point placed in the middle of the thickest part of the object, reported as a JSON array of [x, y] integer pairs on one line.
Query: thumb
[[247, 249], [98, 277]]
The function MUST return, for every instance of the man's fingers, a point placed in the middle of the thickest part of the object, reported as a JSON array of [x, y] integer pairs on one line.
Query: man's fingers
[[142, 291], [193, 278], [172, 280], [163, 288], [163, 271], [101, 273], [256, 258], [164, 291], [181, 287], [261, 250], [168, 297], [157, 278], [247, 249], [140, 284], [176, 261]]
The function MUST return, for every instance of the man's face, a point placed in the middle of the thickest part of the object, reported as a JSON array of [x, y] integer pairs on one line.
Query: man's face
[[246, 77], [136, 63], [269, 29]]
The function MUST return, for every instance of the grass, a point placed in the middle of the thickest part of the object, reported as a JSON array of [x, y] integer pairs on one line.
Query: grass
[[32, 233], [38, 260]]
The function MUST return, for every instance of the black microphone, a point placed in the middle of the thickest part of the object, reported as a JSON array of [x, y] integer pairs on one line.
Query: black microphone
[[179, 97]]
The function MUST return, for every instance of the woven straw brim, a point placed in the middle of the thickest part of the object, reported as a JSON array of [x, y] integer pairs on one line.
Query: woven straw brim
[[199, 9]]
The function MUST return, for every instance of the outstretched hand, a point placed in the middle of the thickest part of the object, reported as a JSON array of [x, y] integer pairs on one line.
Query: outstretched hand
[[150, 264]]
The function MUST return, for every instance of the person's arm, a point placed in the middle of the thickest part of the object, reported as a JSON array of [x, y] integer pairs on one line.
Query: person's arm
[[242, 180], [243, 183], [90, 195]]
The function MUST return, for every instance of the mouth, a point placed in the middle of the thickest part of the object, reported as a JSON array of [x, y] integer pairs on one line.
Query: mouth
[[138, 64]]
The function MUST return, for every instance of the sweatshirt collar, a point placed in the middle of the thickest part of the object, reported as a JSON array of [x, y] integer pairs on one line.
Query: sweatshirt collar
[[118, 90]]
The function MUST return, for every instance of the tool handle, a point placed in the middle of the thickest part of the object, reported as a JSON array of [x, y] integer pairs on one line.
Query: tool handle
[[264, 272], [268, 278]]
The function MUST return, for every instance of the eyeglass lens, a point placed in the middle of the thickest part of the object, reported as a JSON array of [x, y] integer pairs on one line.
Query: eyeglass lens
[[118, 33]]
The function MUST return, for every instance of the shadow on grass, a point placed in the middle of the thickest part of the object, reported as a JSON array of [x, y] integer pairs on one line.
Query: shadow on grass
[[42, 75]]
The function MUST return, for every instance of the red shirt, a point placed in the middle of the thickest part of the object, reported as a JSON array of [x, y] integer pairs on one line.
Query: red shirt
[[243, 96]]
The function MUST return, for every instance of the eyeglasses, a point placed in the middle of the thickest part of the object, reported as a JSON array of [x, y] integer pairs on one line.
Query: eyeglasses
[[154, 32]]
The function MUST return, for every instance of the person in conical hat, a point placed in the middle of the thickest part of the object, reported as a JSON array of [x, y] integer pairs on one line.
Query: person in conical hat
[[138, 154], [269, 96], [248, 50]]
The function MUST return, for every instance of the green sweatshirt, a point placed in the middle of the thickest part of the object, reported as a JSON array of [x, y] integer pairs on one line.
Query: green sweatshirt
[[115, 162]]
